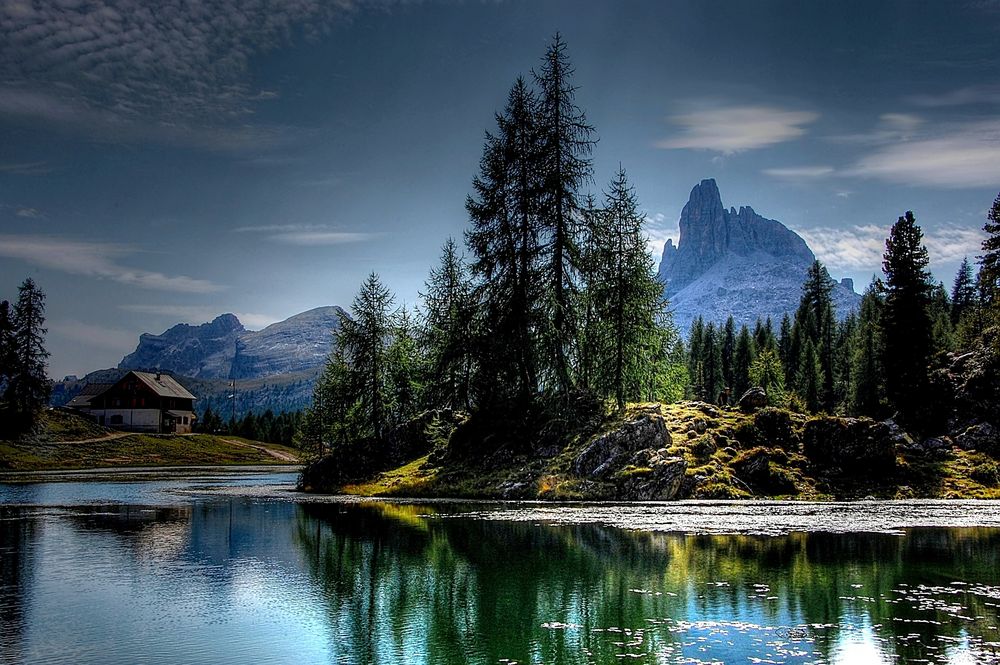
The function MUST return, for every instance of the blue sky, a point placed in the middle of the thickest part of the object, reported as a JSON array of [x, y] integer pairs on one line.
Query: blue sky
[[170, 162]]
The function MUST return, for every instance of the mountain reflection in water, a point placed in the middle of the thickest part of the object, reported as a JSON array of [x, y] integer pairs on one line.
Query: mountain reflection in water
[[241, 580]]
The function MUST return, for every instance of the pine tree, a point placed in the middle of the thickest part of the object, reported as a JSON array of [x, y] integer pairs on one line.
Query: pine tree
[[594, 230], [810, 377], [816, 322], [405, 368], [364, 338], [785, 341], [448, 298], [7, 355], [766, 371], [843, 360], [939, 310], [695, 374], [28, 387], [963, 291], [743, 359], [906, 324], [504, 241], [867, 392], [564, 166]]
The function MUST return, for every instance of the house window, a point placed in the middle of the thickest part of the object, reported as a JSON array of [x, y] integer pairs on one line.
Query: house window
[[116, 420]]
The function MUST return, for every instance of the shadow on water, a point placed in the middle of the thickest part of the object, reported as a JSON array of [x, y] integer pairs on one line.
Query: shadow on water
[[400, 580]]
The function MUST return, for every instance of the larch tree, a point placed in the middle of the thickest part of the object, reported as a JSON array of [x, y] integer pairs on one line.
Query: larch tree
[[28, 386], [867, 389], [564, 165], [450, 309]]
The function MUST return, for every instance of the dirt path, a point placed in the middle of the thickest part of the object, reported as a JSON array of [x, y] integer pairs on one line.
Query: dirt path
[[276, 454], [107, 437]]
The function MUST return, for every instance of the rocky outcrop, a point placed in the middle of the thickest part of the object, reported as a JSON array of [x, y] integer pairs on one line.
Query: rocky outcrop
[[736, 262], [610, 452], [982, 436], [859, 446], [753, 399], [224, 349]]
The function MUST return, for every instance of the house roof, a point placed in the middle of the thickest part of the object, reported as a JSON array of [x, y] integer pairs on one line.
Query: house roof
[[163, 385], [89, 392]]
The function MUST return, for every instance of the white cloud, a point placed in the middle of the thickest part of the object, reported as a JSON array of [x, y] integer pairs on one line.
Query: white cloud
[[197, 314], [800, 172], [95, 260], [25, 168], [861, 247], [736, 129], [658, 231], [307, 234], [891, 128], [29, 213], [957, 157]]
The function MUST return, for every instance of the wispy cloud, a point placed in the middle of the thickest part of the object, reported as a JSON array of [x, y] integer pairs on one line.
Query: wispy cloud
[[890, 128], [307, 234], [800, 172], [25, 168], [861, 247], [96, 260], [968, 96], [197, 314], [736, 129], [29, 213], [955, 157]]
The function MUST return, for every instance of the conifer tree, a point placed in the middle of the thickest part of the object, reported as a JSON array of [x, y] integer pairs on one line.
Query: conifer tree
[[405, 367], [766, 371], [695, 374], [810, 377], [564, 165], [594, 229], [505, 245], [963, 291], [816, 322], [939, 310], [7, 355], [906, 323], [448, 298], [867, 392], [626, 295], [785, 341], [728, 352], [743, 358], [711, 363], [989, 261], [28, 386], [364, 338]]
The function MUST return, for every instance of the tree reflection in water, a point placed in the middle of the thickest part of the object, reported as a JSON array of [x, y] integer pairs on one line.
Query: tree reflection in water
[[410, 583]]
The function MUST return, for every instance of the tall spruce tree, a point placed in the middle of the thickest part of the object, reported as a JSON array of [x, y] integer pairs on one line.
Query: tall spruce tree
[[817, 323], [7, 355], [696, 336], [989, 261], [809, 379], [364, 339], [406, 367], [907, 327], [564, 165], [448, 333], [28, 386], [728, 352], [711, 363]]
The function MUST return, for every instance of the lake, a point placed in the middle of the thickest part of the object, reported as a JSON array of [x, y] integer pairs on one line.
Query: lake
[[233, 568]]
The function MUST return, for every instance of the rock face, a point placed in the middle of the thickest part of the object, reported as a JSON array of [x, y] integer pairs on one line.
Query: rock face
[[736, 262], [224, 349]]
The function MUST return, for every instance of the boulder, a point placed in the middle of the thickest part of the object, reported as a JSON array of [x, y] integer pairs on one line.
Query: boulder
[[775, 427], [852, 445], [753, 399], [609, 452], [760, 470], [983, 437], [660, 481]]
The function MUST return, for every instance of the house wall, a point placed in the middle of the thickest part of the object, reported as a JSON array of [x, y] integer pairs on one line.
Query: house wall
[[138, 420]]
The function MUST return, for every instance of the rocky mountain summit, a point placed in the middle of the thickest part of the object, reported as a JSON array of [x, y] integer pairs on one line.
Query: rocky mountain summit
[[224, 349], [736, 262]]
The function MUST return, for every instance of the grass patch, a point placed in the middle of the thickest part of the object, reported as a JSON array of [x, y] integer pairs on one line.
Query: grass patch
[[408, 480]]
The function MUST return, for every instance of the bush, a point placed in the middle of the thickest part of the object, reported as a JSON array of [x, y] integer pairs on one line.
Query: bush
[[859, 446], [775, 426], [760, 469], [987, 473]]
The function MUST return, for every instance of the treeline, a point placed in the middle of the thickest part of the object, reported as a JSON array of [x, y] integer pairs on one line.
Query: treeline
[[267, 427], [24, 383], [557, 303], [888, 358]]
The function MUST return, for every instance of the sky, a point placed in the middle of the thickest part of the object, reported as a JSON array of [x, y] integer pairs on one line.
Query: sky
[[167, 162]]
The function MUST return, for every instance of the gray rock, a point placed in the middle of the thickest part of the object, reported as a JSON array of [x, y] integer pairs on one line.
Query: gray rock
[[980, 436], [661, 483], [753, 399], [609, 452], [850, 445]]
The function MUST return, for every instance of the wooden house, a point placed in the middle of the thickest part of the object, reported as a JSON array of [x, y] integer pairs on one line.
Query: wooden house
[[139, 402]]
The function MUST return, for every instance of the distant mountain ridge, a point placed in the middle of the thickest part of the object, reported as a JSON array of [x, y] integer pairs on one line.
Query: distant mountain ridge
[[738, 263], [224, 349]]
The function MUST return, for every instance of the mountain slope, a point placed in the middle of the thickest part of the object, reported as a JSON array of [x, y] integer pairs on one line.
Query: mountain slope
[[736, 262], [224, 349]]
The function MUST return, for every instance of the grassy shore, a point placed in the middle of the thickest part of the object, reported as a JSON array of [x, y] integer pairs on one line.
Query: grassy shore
[[715, 449], [66, 441]]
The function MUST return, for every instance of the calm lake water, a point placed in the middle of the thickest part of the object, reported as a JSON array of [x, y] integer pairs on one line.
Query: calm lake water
[[224, 569]]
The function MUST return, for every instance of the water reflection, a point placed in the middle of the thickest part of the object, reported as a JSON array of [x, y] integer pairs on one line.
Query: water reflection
[[238, 580]]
